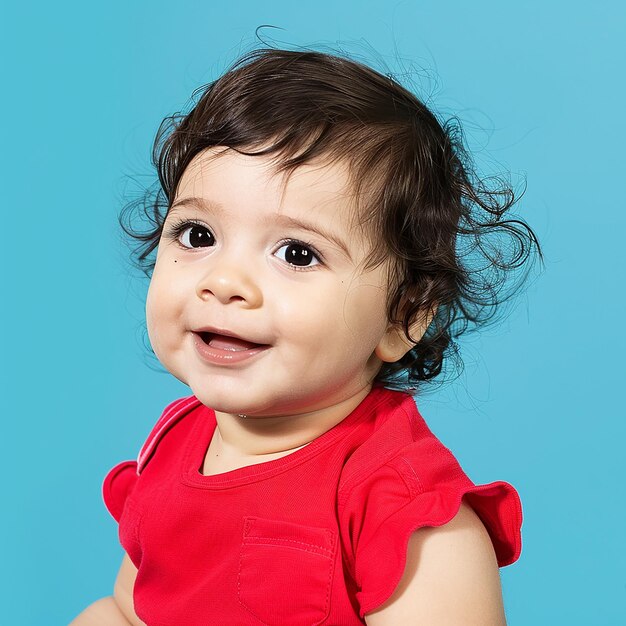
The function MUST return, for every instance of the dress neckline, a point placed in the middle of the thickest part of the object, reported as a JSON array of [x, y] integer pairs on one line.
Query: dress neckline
[[202, 432]]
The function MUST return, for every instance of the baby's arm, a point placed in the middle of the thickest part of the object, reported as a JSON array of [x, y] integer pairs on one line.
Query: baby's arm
[[103, 612], [116, 610], [451, 577]]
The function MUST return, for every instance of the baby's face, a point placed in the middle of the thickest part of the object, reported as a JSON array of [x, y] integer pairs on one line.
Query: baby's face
[[260, 304]]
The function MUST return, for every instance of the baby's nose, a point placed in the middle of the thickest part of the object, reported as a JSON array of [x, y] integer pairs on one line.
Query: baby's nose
[[229, 282]]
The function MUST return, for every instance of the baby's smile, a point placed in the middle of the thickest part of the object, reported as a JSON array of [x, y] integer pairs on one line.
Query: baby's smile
[[226, 340], [224, 349]]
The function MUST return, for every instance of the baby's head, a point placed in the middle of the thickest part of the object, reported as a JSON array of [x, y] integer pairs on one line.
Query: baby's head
[[408, 195]]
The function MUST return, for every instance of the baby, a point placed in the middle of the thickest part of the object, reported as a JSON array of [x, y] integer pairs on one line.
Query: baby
[[313, 232]]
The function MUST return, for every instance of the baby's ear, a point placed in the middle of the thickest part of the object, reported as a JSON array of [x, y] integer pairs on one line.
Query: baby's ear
[[394, 344]]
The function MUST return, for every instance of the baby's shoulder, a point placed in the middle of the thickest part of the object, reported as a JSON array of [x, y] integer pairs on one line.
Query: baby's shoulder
[[402, 477], [398, 445], [119, 482], [171, 415]]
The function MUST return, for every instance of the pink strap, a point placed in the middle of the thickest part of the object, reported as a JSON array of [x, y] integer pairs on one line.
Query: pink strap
[[171, 414]]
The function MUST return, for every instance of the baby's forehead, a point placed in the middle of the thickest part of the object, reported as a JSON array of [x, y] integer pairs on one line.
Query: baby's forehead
[[323, 183], [323, 169]]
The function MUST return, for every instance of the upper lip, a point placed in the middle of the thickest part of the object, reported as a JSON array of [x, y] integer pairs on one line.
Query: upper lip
[[227, 333]]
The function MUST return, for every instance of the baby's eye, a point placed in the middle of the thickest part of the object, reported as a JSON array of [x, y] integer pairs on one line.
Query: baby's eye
[[195, 236], [297, 254]]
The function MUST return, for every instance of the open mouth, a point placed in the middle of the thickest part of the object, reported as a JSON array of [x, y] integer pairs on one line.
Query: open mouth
[[224, 342], [226, 351]]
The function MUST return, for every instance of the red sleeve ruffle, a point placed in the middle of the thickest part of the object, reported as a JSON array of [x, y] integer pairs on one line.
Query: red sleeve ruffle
[[383, 511], [118, 483]]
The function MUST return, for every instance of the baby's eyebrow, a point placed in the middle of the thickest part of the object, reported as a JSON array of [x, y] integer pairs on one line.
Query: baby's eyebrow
[[287, 220], [211, 206], [208, 206]]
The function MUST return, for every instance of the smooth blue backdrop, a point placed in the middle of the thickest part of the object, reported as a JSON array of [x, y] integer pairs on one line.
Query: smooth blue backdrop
[[541, 88]]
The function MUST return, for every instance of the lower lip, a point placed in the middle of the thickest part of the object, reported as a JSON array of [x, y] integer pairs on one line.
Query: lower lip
[[224, 357]]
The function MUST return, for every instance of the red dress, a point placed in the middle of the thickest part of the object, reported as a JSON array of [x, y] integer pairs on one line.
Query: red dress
[[316, 537]]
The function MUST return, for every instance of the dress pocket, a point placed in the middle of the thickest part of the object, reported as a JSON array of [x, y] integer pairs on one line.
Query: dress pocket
[[286, 571]]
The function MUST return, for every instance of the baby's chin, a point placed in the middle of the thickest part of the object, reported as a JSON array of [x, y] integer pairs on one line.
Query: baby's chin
[[249, 411], [253, 409], [231, 406]]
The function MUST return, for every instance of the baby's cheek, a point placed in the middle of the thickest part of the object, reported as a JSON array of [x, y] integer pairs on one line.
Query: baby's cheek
[[156, 317], [151, 311], [365, 311]]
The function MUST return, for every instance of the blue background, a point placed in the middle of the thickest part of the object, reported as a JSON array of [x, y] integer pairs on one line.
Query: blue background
[[540, 86]]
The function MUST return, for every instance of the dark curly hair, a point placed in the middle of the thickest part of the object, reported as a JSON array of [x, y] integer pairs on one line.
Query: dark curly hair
[[416, 189]]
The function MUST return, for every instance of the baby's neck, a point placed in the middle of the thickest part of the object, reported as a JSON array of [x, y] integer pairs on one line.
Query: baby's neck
[[219, 460], [258, 438]]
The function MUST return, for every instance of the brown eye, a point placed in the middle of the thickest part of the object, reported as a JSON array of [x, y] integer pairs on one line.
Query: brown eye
[[297, 254], [196, 236]]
